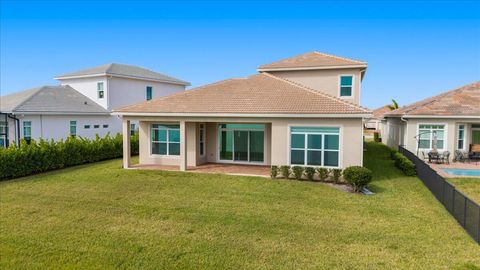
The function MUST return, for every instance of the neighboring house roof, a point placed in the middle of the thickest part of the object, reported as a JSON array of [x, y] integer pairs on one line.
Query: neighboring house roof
[[312, 60], [50, 100], [378, 113], [122, 70], [463, 101], [258, 95]]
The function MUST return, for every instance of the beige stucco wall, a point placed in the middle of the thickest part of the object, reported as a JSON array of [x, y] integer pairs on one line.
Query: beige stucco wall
[[277, 139], [325, 80], [411, 125]]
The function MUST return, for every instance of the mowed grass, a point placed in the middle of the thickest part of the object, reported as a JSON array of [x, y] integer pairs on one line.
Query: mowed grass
[[468, 186], [103, 217]]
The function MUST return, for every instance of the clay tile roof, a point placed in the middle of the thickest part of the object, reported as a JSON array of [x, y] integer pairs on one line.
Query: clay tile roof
[[312, 60], [378, 113], [257, 94], [463, 101]]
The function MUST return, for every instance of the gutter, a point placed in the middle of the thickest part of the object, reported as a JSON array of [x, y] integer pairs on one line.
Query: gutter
[[262, 115], [311, 68]]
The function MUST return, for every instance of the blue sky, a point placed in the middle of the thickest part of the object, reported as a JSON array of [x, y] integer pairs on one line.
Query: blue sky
[[414, 49]]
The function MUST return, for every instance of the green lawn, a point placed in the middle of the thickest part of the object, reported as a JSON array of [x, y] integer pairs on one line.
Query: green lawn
[[102, 217], [469, 187]]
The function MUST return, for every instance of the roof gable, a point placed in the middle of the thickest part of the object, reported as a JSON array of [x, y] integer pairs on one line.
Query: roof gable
[[463, 101], [257, 94], [123, 70], [312, 60], [50, 99]]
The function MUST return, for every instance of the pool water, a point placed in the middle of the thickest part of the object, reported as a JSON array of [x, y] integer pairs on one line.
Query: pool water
[[463, 172]]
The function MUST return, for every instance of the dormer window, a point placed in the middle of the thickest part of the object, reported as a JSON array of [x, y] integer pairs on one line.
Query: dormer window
[[346, 85], [100, 91], [149, 92]]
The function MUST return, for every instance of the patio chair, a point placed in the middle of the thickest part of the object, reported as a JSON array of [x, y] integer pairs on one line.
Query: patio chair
[[474, 152], [459, 156], [446, 157]]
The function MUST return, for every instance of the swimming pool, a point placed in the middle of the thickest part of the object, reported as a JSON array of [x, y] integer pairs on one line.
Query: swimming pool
[[463, 172]]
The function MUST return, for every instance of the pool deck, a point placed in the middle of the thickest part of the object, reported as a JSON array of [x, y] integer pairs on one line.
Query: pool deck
[[455, 165]]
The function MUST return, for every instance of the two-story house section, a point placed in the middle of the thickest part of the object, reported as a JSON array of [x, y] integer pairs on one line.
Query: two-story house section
[[337, 76], [117, 85], [302, 111], [82, 104]]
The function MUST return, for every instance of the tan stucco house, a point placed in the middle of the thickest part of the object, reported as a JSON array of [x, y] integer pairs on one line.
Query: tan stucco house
[[303, 110], [452, 117]]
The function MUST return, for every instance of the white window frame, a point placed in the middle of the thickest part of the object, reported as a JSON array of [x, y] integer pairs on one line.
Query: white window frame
[[101, 90], [305, 149], [167, 140], [30, 129], [218, 129], [4, 131], [74, 122], [445, 137], [201, 138], [340, 86], [464, 136]]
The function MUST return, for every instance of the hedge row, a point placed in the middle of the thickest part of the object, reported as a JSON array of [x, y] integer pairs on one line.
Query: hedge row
[[358, 177], [41, 156], [403, 163]]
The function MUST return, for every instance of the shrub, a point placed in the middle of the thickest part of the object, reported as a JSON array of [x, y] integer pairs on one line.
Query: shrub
[[274, 172], [46, 155], [285, 171], [336, 173], [322, 173], [393, 151], [376, 137], [358, 177], [310, 173], [404, 164], [297, 172]]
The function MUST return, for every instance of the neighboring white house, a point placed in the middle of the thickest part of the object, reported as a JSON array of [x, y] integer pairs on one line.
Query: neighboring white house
[[452, 117], [82, 104]]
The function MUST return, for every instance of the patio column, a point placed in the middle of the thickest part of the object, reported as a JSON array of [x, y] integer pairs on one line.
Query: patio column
[[183, 146], [126, 143]]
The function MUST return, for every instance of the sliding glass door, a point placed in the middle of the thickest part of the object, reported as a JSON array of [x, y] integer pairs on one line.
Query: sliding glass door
[[242, 142]]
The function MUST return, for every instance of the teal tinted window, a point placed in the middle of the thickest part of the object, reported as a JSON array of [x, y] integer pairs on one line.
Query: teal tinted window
[[333, 130], [297, 157], [298, 140], [27, 129], [346, 84], [331, 142], [331, 158], [73, 128], [314, 158], [315, 146], [242, 142], [149, 92], [314, 141], [346, 80], [165, 139], [174, 135], [346, 91], [243, 126]]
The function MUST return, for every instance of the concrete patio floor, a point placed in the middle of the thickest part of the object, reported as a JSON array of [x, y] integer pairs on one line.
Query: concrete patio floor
[[232, 169]]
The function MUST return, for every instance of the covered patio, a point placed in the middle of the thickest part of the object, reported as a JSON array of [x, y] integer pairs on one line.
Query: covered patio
[[231, 169]]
